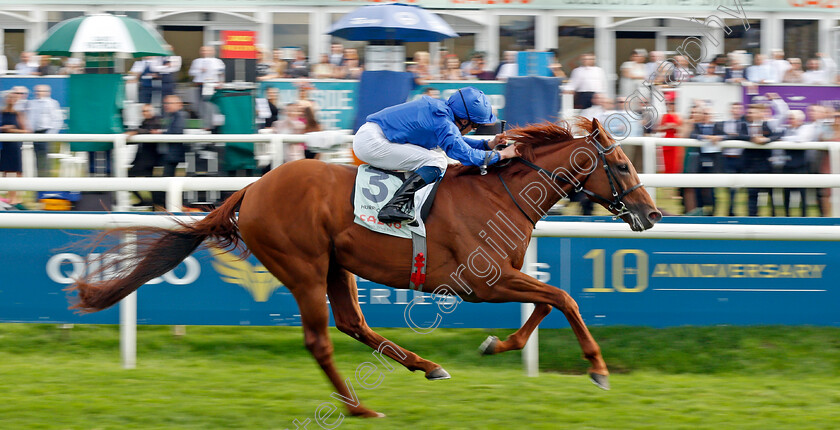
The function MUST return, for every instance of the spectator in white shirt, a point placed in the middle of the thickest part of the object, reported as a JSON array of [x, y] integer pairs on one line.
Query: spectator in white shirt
[[828, 66], [779, 65], [207, 72], [652, 72], [585, 81], [509, 67], [814, 75], [795, 160], [207, 69], [45, 116], [632, 73], [166, 68], [28, 65], [760, 72], [601, 107]]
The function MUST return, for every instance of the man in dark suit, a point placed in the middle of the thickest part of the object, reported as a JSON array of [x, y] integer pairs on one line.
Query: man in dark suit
[[170, 153], [709, 158], [146, 157], [731, 161], [756, 160]]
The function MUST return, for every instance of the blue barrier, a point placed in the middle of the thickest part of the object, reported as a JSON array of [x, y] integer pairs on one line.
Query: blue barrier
[[336, 100], [648, 282]]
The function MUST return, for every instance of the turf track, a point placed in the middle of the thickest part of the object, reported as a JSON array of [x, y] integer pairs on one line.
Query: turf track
[[263, 378]]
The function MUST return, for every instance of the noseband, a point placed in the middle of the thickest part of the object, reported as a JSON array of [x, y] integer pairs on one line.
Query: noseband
[[618, 192]]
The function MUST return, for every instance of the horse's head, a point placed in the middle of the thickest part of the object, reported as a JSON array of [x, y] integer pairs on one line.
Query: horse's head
[[612, 180]]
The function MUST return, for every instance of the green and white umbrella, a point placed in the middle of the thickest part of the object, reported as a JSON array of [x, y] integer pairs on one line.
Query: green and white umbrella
[[104, 33]]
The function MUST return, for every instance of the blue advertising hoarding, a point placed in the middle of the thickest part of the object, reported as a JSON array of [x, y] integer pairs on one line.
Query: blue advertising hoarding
[[650, 282], [336, 100], [59, 87]]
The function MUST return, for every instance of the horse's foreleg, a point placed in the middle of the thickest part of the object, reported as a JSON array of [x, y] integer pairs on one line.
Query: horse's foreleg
[[344, 299], [515, 286], [517, 340]]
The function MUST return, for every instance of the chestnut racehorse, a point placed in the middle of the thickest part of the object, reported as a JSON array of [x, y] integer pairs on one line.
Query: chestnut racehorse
[[298, 222]]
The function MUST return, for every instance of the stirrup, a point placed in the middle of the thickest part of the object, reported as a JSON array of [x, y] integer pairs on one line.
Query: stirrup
[[393, 215]]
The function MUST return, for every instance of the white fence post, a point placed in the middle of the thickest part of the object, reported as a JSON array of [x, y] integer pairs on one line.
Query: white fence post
[[649, 162], [174, 195], [278, 150], [119, 166], [128, 316], [834, 164], [28, 160], [531, 351]]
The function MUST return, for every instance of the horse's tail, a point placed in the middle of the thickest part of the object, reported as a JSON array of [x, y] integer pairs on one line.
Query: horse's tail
[[157, 251]]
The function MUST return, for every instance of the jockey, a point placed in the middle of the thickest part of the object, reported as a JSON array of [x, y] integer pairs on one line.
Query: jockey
[[403, 137]]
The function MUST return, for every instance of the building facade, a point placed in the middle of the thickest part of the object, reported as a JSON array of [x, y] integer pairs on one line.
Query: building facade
[[611, 29]]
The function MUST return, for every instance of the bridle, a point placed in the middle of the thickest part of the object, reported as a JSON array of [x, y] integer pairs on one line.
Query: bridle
[[618, 192]]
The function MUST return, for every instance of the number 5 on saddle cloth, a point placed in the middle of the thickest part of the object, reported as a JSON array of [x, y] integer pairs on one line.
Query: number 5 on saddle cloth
[[374, 188]]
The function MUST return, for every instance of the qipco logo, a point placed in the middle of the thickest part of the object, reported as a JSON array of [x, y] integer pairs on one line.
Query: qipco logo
[[66, 268]]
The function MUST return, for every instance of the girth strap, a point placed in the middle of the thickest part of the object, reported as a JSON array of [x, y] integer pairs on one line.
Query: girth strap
[[418, 262]]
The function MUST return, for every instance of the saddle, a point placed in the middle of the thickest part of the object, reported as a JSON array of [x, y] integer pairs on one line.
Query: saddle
[[374, 188]]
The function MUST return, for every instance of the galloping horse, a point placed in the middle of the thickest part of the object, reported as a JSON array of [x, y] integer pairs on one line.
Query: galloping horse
[[298, 222]]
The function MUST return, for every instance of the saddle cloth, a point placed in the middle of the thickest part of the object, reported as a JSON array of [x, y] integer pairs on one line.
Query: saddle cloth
[[374, 188]]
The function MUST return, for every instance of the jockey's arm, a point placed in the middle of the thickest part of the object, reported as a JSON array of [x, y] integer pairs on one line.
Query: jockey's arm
[[482, 144], [485, 144], [457, 148]]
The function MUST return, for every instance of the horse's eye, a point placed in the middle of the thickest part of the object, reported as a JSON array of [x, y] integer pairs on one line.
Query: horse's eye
[[623, 168]]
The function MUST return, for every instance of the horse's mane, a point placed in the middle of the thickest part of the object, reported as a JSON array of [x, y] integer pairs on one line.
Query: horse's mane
[[535, 135]]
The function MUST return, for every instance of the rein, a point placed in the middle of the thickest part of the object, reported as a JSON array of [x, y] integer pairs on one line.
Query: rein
[[618, 193]]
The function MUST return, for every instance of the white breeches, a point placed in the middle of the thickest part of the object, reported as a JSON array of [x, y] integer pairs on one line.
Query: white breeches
[[372, 147]]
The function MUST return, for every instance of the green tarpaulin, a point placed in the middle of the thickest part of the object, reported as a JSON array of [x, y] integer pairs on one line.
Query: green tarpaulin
[[238, 108], [96, 102]]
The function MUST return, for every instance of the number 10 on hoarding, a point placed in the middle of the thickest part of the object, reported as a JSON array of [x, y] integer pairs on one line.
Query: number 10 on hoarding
[[621, 266]]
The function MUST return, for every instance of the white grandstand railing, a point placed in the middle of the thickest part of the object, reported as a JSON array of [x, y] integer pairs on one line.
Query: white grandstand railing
[[175, 186]]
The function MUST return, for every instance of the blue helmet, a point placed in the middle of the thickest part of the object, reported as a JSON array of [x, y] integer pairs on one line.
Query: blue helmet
[[472, 105]]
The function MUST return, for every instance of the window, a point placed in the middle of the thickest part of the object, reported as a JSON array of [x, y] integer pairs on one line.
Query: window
[[575, 36], [516, 33], [291, 30], [801, 39], [741, 38]]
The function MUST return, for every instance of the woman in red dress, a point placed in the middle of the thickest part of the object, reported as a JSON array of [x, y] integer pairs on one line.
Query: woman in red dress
[[670, 125]]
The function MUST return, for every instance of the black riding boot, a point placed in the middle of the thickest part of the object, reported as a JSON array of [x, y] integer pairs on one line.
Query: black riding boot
[[400, 207]]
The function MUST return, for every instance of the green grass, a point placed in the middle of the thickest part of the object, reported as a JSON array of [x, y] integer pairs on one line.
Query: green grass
[[263, 378]]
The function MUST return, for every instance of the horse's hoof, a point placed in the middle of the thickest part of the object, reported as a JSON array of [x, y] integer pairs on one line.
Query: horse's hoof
[[602, 381], [437, 374], [488, 347], [368, 414]]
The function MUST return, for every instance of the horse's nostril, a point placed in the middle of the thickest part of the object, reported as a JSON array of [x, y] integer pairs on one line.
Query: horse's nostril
[[655, 216]]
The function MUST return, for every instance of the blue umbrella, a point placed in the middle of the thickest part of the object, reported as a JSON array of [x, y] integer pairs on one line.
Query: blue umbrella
[[393, 21]]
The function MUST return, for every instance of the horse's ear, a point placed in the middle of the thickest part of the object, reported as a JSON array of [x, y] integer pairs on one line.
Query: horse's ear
[[595, 125], [596, 130]]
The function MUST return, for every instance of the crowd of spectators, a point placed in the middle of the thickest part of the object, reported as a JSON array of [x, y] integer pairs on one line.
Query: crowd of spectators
[[165, 110]]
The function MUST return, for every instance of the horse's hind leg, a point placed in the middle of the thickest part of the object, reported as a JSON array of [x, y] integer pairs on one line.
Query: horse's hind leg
[[344, 299], [516, 341], [515, 286], [305, 277], [315, 319]]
